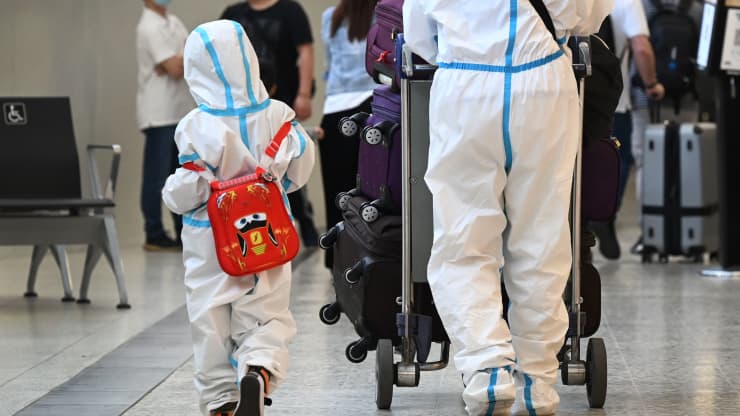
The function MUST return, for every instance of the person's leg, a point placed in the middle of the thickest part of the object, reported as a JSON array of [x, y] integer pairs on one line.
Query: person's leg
[[301, 210], [537, 244], [466, 177], [156, 168], [338, 167], [262, 326], [209, 293], [606, 232]]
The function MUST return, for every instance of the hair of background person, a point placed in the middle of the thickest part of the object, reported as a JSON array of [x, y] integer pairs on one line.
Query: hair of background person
[[359, 14]]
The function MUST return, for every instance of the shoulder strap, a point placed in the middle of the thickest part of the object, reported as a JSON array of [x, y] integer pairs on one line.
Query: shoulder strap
[[541, 9], [274, 145]]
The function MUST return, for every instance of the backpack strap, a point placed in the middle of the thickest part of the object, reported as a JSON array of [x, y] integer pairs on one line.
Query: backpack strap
[[541, 9], [274, 146]]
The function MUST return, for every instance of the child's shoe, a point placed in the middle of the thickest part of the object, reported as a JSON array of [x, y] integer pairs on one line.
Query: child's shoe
[[253, 388]]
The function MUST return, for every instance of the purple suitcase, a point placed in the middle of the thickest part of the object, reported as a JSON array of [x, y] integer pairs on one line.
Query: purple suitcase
[[600, 180], [381, 39], [379, 166]]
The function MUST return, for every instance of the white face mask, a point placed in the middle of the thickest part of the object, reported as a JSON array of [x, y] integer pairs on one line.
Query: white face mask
[[163, 3]]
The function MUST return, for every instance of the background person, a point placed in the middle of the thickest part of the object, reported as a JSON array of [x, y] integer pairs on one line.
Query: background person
[[162, 100], [348, 91]]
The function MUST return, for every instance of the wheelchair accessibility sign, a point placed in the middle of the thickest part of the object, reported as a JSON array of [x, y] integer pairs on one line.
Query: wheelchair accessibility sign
[[15, 114]]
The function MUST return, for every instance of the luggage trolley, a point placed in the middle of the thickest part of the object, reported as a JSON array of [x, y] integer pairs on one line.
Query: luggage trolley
[[574, 371], [418, 323]]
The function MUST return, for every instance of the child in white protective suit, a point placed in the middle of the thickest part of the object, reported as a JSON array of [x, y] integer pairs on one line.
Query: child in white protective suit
[[241, 327], [500, 172]]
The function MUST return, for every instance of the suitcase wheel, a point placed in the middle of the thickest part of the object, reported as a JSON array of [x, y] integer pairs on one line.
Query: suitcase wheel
[[647, 257], [369, 213], [356, 352], [342, 200], [348, 127], [663, 258], [328, 239], [353, 274], [372, 135], [329, 314]]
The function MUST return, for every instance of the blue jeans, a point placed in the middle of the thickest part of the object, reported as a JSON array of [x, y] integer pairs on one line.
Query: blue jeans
[[622, 130], [160, 160]]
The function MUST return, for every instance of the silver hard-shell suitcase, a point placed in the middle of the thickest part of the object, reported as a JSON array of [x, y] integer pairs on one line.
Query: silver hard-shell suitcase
[[679, 190]]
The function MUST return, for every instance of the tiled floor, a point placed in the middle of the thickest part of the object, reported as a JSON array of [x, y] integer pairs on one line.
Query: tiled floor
[[673, 338]]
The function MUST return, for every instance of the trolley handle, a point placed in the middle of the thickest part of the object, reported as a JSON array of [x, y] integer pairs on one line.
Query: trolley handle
[[581, 47], [408, 68]]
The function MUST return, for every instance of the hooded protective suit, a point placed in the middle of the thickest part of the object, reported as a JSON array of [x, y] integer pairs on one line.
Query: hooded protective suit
[[500, 171], [245, 321]]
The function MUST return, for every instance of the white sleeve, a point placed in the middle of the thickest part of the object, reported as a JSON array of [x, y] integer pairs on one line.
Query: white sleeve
[[590, 15], [295, 160], [630, 16], [187, 189], [420, 31]]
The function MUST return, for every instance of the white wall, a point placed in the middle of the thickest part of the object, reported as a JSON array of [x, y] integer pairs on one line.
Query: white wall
[[85, 49]]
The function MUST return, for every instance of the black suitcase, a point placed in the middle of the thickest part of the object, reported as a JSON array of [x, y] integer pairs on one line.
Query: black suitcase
[[366, 275]]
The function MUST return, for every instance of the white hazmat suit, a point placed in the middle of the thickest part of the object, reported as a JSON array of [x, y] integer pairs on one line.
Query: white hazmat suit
[[240, 321], [504, 125]]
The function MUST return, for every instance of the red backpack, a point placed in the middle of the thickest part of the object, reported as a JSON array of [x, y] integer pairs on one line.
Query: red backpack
[[251, 226]]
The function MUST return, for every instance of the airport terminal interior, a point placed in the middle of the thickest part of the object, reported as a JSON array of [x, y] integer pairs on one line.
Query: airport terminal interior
[[672, 335]]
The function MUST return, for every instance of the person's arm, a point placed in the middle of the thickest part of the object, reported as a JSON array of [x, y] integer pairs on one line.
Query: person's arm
[[173, 67], [642, 52], [420, 32], [302, 104]]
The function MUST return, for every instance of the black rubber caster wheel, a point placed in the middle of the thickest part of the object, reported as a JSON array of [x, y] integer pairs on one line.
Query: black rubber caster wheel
[[356, 352], [68, 299], [329, 314], [384, 374], [370, 213], [596, 373], [647, 258], [30, 295], [372, 135], [662, 259], [123, 306], [83, 301], [353, 274], [342, 200], [328, 239]]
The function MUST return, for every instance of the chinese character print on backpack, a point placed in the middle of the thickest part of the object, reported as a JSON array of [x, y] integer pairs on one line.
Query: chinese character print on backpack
[[675, 39]]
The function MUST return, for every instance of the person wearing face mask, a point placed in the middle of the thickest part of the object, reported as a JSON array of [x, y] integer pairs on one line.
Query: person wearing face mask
[[162, 100]]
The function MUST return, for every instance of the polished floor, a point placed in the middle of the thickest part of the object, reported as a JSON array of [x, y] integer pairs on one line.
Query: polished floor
[[672, 336]]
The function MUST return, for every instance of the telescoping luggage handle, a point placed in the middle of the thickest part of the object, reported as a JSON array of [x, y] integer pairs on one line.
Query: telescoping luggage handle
[[405, 58]]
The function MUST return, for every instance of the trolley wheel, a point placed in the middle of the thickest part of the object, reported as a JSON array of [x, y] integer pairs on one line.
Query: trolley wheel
[[348, 127], [329, 314], [596, 373], [372, 135], [370, 213], [663, 258], [356, 352], [328, 239], [384, 374], [647, 257], [342, 200]]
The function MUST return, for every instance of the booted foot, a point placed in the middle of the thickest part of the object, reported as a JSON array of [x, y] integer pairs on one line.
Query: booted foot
[[225, 410], [162, 243], [253, 390], [489, 392], [607, 235], [637, 247]]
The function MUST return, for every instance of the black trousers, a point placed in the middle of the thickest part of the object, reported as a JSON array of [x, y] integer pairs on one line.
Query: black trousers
[[338, 165]]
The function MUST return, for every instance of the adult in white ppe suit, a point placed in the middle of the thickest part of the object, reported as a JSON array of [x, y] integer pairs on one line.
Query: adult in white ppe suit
[[240, 321], [500, 171]]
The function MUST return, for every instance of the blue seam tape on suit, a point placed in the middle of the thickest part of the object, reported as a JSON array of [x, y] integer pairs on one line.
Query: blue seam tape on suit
[[244, 133], [491, 392], [513, 69], [239, 33], [528, 395], [194, 157], [507, 82], [217, 66], [234, 112], [301, 138], [189, 220]]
